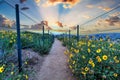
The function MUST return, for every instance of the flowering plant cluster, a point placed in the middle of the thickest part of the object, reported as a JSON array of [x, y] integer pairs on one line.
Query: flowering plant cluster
[[94, 59], [8, 44]]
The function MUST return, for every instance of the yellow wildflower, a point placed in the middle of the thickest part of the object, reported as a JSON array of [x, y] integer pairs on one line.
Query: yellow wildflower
[[76, 51], [116, 61], [66, 52], [70, 67], [93, 46], [1, 69], [14, 40], [11, 41], [89, 43], [104, 57], [89, 50], [71, 55], [84, 73], [90, 61], [26, 62], [101, 39], [12, 64], [71, 48], [115, 57], [98, 50], [110, 45], [98, 58], [12, 73], [93, 65], [115, 74], [26, 76], [86, 69], [73, 62], [83, 57]]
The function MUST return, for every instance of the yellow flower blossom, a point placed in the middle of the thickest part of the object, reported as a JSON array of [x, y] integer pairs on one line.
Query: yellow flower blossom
[[98, 59], [92, 45], [26, 62], [12, 73], [117, 61], [76, 51], [1, 69], [93, 65], [11, 41], [71, 48], [86, 69], [101, 39], [14, 40], [115, 57], [98, 50], [12, 64], [71, 55], [26, 76], [73, 62], [66, 52], [90, 61], [83, 57], [89, 43], [110, 45], [89, 50], [104, 57], [84, 73], [70, 67], [115, 74]]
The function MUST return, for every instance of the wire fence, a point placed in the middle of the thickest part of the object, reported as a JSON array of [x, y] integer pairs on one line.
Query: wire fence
[[32, 36], [36, 35]]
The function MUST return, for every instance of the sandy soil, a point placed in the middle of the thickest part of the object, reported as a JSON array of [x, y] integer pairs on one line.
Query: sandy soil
[[55, 66]]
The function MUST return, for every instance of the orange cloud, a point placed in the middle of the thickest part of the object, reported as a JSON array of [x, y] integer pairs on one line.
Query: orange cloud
[[70, 3], [113, 20], [60, 30], [115, 14], [59, 24], [67, 6], [104, 8], [86, 16], [37, 1], [109, 22], [89, 6]]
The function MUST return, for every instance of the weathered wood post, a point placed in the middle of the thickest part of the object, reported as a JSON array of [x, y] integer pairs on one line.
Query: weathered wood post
[[77, 32], [18, 38]]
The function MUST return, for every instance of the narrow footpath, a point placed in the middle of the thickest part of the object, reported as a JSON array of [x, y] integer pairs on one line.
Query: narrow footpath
[[55, 66]]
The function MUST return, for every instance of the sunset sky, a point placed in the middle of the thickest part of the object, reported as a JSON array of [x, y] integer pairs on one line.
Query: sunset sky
[[63, 15]]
